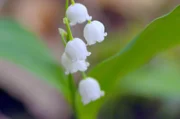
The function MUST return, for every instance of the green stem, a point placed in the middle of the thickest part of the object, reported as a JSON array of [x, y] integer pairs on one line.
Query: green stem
[[72, 88], [84, 75], [89, 21], [72, 85], [72, 2], [69, 32], [67, 4]]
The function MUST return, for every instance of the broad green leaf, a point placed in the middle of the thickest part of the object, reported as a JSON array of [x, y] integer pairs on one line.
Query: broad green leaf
[[160, 35], [22, 47]]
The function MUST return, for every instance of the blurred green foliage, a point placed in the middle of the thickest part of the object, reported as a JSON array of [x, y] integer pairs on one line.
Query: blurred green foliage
[[161, 80], [24, 48]]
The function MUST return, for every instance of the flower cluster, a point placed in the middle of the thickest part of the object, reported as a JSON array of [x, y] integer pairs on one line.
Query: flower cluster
[[76, 53]]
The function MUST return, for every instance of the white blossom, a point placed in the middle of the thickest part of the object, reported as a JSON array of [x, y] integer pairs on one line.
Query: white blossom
[[89, 90], [77, 13], [76, 50], [73, 66], [94, 32]]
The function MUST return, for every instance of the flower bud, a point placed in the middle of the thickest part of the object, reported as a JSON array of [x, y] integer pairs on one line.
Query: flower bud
[[77, 13], [73, 66], [89, 90], [76, 50], [94, 32]]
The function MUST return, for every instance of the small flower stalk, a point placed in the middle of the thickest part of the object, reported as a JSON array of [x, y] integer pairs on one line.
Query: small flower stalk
[[76, 52]]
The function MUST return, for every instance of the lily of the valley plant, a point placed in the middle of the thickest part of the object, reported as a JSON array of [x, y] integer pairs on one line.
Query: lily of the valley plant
[[75, 55]]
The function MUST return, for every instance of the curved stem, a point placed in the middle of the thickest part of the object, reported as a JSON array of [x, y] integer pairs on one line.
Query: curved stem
[[67, 4], [84, 75], [69, 32], [72, 2], [72, 88], [89, 21]]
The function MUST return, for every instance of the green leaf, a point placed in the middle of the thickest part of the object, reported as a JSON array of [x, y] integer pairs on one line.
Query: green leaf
[[160, 35], [22, 47]]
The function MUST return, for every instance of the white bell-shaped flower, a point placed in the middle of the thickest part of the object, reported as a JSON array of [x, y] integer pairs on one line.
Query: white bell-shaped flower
[[89, 90], [94, 32], [77, 13], [76, 50], [73, 66]]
